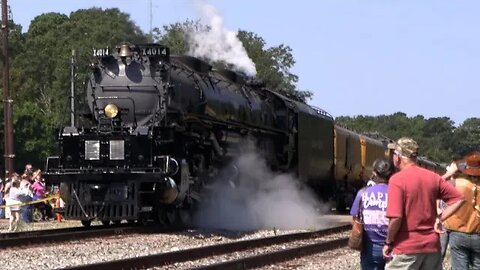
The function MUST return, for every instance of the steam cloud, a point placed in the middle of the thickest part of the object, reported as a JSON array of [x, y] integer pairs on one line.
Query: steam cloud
[[218, 44], [259, 200]]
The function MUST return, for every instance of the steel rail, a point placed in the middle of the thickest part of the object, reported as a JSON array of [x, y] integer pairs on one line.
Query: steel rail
[[276, 256], [10, 240]]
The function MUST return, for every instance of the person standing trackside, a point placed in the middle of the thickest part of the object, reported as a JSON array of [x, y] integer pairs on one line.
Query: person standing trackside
[[464, 224], [370, 205], [412, 239], [449, 176], [15, 197], [28, 170]]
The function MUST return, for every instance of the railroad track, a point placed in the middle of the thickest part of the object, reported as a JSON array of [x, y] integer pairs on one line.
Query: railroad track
[[273, 257], [193, 254], [16, 239]]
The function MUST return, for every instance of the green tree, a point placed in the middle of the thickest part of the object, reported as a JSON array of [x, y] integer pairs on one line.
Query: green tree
[[437, 138], [273, 65], [434, 135], [174, 35], [467, 137], [31, 143]]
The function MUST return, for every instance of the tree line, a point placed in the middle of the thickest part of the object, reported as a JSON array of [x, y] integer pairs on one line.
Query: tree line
[[438, 138], [40, 68], [40, 80]]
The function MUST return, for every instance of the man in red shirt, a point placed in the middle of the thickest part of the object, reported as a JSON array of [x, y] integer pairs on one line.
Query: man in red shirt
[[412, 240]]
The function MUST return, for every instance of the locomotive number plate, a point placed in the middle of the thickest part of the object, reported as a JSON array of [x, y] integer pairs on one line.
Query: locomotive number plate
[[101, 52], [155, 50]]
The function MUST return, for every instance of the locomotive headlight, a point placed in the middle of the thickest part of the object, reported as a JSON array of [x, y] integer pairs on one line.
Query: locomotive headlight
[[111, 110]]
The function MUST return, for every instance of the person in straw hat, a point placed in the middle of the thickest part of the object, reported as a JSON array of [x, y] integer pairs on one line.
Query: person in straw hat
[[464, 224], [412, 240]]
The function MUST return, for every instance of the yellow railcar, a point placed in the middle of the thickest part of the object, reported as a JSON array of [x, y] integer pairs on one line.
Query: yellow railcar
[[348, 155], [371, 150]]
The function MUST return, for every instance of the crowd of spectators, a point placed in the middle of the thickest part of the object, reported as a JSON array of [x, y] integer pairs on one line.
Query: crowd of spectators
[[416, 214], [17, 190]]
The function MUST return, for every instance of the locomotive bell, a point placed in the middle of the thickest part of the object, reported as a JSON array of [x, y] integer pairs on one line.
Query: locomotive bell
[[125, 51]]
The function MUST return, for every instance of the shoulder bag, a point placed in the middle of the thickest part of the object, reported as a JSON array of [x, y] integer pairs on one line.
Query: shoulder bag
[[356, 235]]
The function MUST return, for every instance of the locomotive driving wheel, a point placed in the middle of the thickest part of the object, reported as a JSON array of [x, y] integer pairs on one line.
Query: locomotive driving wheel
[[167, 216], [185, 217]]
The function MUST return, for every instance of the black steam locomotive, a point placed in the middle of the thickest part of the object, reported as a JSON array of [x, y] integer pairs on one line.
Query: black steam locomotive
[[165, 125]]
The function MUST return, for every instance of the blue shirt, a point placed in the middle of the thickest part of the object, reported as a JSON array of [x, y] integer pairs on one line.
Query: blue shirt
[[374, 207]]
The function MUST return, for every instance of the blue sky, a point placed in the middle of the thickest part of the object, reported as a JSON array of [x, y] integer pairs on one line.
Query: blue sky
[[359, 57]]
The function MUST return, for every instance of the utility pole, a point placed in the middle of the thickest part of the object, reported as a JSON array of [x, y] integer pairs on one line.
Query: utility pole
[[7, 101], [72, 90], [151, 18]]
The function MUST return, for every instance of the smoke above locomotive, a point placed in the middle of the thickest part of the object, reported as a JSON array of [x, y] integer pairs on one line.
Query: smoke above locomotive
[[218, 43]]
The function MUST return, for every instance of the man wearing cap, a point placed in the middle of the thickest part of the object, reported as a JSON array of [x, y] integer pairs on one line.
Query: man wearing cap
[[464, 224], [412, 241]]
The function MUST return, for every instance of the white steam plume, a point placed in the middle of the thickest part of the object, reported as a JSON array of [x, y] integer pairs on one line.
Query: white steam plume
[[218, 44], [260, 199]]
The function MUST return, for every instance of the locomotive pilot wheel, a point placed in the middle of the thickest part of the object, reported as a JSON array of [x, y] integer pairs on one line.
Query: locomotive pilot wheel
[[86, 223]]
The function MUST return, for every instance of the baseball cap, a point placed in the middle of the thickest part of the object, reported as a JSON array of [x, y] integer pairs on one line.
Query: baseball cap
[[405, 146]]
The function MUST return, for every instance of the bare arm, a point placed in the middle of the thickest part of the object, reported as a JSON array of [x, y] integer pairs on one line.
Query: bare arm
[[393, 227], [447, 212], [451, 170]]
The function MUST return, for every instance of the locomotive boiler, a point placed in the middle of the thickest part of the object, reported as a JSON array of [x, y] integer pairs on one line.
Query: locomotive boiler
[[165, 125]]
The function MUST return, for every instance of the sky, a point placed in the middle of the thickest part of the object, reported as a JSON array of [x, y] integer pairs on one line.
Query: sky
[[363, 57]]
